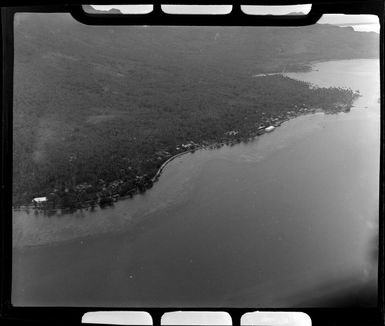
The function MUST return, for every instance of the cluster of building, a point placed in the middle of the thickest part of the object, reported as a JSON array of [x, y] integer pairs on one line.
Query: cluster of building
[[188, 146], [110, 192]]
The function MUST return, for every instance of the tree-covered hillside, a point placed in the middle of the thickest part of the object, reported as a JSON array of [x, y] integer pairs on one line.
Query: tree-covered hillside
[[98, 109]]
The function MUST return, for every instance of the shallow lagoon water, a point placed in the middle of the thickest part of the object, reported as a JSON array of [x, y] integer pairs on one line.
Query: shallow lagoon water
[[288, 219]]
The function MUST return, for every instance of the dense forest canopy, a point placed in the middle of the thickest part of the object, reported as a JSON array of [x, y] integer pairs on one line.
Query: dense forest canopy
[[98, 109]]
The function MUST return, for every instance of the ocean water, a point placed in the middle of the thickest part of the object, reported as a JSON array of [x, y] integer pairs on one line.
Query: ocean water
[[289, 219]]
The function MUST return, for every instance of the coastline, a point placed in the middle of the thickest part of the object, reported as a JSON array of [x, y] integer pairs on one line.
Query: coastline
[[276, 122], [267, 191], [131, 226], [37, 231], [307, 67], [157, 175], [120, 189]]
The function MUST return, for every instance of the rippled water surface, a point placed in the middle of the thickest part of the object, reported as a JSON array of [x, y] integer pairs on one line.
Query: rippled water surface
[[289, 219]]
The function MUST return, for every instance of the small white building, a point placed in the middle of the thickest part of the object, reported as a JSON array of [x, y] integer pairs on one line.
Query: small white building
[[39, 200], [188, 145], [269, 129]]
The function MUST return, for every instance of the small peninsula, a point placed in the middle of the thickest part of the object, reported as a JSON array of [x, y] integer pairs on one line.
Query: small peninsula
[[135, 170], [96, 117]]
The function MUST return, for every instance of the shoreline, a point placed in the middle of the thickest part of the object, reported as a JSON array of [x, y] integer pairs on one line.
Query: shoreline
[[120, 189], [155, 178], [135, 224], [134, 191]]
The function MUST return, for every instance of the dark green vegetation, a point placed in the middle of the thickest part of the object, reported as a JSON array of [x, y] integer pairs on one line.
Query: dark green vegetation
[[97, 110]]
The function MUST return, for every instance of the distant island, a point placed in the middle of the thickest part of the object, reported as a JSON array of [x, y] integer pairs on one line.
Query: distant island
[[98, 111]]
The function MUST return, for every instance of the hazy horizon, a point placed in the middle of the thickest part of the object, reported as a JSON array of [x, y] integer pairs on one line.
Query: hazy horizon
[[360, 23]]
